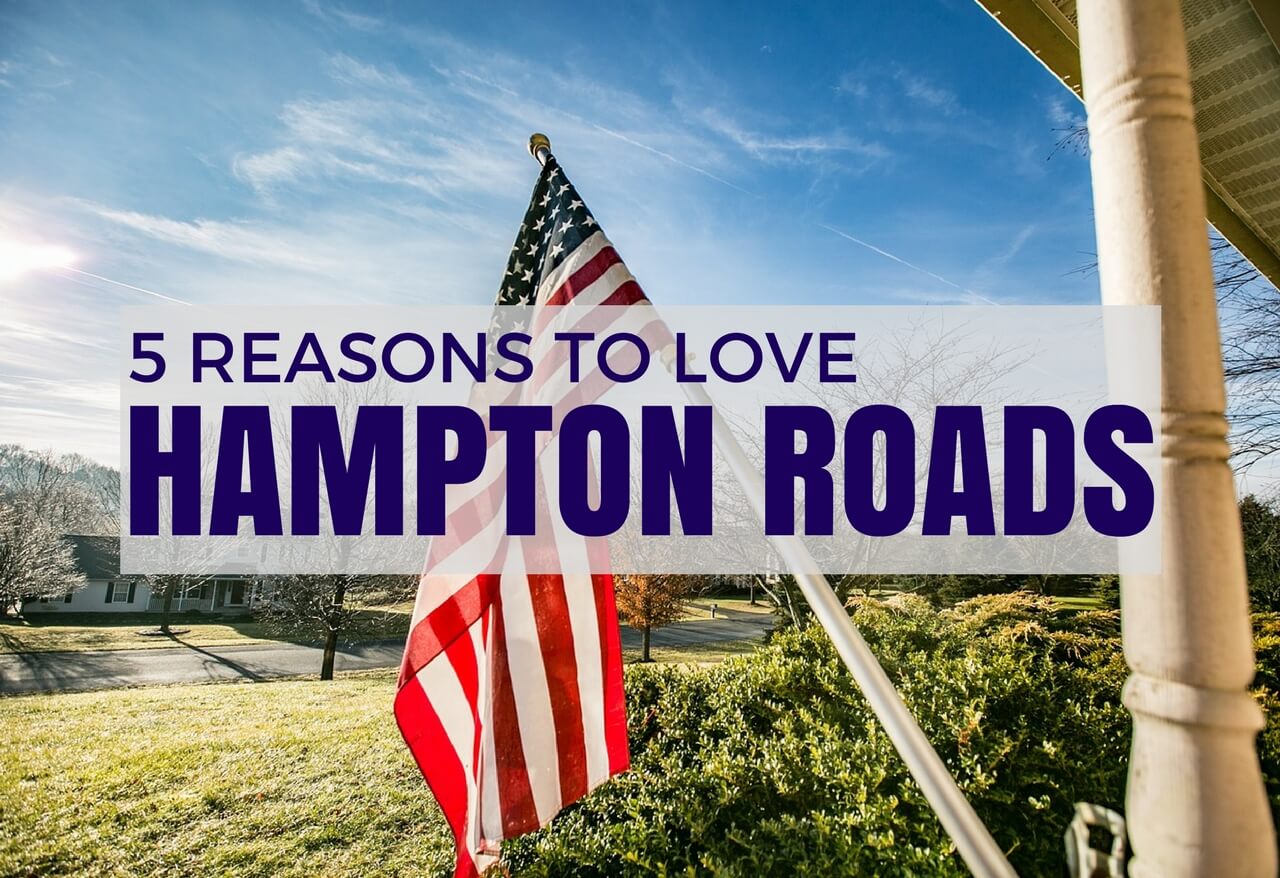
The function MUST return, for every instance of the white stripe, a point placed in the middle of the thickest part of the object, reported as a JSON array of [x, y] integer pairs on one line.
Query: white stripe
[[433, 590], [490, 798], [444, 689], [481, 554], [566, 317], [452, 573], [581, 255], [475, 824], [529, 685], [580, 593], [633, 319], [495, 465]]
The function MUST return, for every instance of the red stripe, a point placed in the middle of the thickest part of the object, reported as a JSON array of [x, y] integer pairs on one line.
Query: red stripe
[[615, 706], [592, 385], [467, 521], [584, 276], [515, 796], [594, 320], [446, 624], [447, 628], [440, 766], [555, 642]]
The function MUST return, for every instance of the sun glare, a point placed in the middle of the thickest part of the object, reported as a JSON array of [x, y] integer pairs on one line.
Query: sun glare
[[19, 257]]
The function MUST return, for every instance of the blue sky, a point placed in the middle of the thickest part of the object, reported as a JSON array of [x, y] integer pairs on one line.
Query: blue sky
[[312, 152]]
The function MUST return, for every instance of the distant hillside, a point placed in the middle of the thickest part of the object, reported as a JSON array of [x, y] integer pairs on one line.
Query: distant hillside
[[76, 494]]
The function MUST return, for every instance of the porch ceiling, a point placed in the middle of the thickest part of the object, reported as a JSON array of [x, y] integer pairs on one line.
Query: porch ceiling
[[1235, 85]]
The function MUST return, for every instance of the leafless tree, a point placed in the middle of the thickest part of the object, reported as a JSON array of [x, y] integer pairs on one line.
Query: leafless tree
[[71, 493], [1249, 312], [329, 606], [35, 562]]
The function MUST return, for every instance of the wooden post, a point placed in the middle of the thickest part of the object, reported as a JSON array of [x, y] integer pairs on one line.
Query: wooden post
[[1195, 800]]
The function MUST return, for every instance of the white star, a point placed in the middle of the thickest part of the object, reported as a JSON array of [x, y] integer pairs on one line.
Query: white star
[[533, 249], [519, 265], [546, 199], [524, 300], [589, 221], [565, 226], [527, 277], [557, 250], [555, 172], [563, 189], [555, 212], [537, 227], [573, 205]]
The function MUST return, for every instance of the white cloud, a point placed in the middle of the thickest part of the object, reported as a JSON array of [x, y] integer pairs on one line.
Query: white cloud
[[852, 85], [926, 93], [1063, 116], [349, 70], [790, 146], [339, 15], [239, 241]]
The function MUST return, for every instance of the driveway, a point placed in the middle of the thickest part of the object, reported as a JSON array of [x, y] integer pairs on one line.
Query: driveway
[[105, 669]]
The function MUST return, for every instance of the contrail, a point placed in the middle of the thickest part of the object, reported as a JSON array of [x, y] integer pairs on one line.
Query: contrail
[[872, 247], [898, 259], [125, 285], [670, 158]]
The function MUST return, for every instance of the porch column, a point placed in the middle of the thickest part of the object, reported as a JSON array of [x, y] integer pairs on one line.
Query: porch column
[[1195, 801]]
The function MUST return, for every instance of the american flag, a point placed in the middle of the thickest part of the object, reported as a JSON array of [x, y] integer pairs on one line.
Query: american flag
[[510, 694]]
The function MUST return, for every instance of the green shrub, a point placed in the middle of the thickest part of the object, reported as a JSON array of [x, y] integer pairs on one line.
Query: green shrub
[[773, 764]]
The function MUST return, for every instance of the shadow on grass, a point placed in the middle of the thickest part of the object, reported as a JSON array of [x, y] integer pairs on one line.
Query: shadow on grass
[[58, 632]]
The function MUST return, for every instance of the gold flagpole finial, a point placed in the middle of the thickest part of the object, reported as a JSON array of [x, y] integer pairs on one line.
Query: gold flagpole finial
[[540, 147]]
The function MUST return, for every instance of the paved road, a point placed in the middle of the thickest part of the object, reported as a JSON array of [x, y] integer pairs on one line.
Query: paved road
[[104, 669]]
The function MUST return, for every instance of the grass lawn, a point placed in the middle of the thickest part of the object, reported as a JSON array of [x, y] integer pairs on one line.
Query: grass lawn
[[80, 631], [295, 778], [67, 631], [291, 778], [695, 653], [700, 608]]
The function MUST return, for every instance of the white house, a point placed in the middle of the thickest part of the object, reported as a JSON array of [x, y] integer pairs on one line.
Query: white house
[[107, 591]]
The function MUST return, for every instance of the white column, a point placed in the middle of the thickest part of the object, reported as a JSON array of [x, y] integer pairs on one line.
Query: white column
[[1195, 802]]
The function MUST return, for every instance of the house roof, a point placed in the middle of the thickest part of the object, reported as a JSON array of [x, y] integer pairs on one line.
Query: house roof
[[98, 557], [1234, 50]]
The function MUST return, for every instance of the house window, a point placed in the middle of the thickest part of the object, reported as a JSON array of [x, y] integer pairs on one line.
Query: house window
[[236, 596], [123, 593], [66, 598]]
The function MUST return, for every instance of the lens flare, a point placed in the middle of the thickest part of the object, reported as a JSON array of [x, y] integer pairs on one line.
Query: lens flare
[[18, 258]]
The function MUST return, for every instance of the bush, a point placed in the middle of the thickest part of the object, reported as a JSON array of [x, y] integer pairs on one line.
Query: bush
[[773, 764]]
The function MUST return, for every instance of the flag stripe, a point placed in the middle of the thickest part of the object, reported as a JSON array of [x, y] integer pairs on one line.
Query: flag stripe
[[424, 734], [515, 791], [510, 695]]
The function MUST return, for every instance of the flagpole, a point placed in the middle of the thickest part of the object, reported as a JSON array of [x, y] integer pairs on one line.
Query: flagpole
[[974, 843], [540, 147]]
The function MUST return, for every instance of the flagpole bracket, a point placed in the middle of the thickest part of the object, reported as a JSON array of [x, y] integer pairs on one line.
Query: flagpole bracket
[[540, 147]]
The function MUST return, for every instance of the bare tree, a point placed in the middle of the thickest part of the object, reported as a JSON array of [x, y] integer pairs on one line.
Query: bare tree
[[327, 606], [35, 562], [1249, 312], [72, 493]]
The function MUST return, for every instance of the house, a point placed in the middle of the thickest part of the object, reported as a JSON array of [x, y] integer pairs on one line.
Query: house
[[107, 591]]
